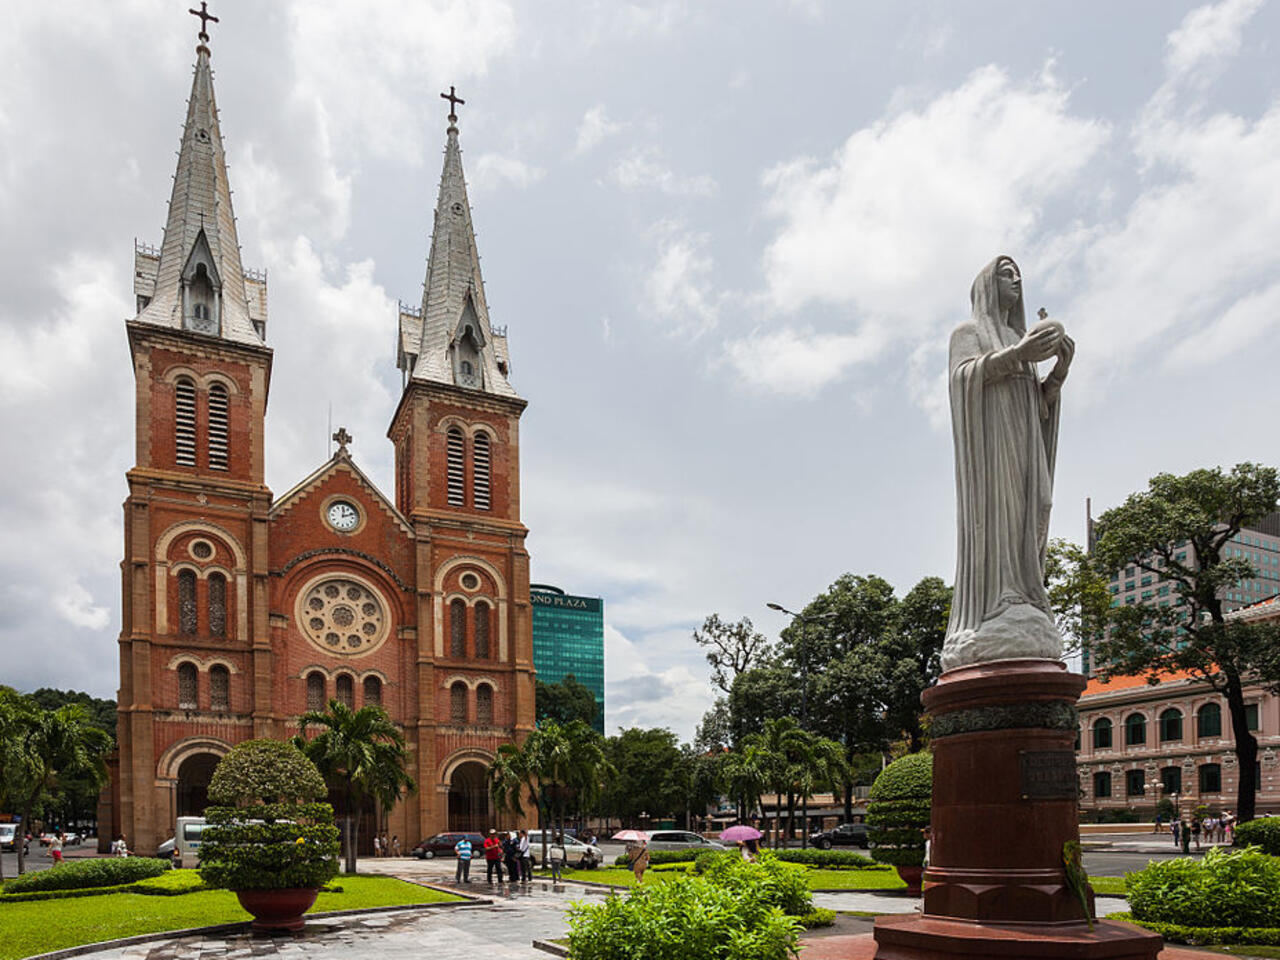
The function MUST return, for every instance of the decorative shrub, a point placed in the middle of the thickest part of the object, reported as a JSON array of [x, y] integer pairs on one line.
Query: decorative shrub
[[818, 917], [1228, 888], [898, 809], [79, 874], [172, 883], [264, 835], [775, 883], [812, 857], [1259, 833], [1207, 936]]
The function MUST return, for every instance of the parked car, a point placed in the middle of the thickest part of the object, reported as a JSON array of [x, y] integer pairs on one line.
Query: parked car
[[8, 838], [681, 840], [187, 840], [845, 835], [165, 850], [584, 856], [442, 844]]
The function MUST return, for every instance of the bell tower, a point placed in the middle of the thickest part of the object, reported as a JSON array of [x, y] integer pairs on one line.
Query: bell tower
[[456, 433], [195, 662]]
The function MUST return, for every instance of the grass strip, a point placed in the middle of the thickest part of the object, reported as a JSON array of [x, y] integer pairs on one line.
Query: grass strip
[[873, 879]]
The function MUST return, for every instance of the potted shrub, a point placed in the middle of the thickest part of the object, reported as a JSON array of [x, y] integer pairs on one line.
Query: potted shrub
[[269, 838], [897, 813]]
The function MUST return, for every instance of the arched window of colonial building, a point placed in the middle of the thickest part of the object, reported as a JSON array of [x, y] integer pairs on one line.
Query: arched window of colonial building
[[484, 704], [1135, 783], [187, 679], [217, 605], [482, 614], [372, 691], [456, 450], [188, 620], [219, 688], [1102, 734], [1101, 785], [1210, 778], [1135, 730], [218, 427], [480, 471], [458, 702], [345, 690], [1171, 777], [1170, 725], [184, 422], [457, 629], [315, 690], [1209, 721]]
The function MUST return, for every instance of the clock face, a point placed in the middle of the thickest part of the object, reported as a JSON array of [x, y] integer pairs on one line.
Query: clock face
[[343, 516]]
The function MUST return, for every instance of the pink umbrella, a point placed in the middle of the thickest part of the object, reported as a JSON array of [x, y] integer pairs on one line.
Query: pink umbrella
[[630, 836], [739, 832]]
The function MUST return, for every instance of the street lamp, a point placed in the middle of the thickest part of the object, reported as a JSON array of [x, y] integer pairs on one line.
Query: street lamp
[[804, 619]]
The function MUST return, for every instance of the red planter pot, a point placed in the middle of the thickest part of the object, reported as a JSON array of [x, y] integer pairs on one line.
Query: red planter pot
[[912, 876], [277, 911]]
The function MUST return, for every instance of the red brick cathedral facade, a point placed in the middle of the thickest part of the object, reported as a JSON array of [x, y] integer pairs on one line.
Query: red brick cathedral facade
[[241, 611]]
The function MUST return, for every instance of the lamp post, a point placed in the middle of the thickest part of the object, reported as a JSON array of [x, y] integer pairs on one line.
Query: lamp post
[[804, 620]]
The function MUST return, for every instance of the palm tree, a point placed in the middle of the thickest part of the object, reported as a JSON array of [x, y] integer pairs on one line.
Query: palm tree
[[783, 747], [826, 767], [743, 773], [361, 754]]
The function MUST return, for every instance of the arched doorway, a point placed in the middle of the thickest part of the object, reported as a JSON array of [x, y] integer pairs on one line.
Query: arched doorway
[[193, 783], [469, 799]]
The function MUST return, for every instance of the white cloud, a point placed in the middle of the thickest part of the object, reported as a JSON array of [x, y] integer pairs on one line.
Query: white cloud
[[644, 168], [1243, 324], [1208, 33], [595, 128], [799, 362], [679, 290], [491, 171]]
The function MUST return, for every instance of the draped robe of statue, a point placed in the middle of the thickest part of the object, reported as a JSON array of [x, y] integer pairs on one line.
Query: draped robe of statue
[[1005, 426]]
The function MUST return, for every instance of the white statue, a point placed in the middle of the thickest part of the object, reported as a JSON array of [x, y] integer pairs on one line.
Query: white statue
[[1005, 422]]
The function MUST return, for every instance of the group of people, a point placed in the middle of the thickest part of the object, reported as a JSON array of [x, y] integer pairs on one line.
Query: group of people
[[510, 850], [383, 847], [1210, 829]]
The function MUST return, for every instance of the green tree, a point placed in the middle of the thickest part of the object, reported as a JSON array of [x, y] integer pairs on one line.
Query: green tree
[[17, 715], [76, 799], [360, 754], [715, 731], [1077, 591], [644, 762], [785, 750], [732, 648], [1178, 529], [565, 701], [696, 781], [744, 776]]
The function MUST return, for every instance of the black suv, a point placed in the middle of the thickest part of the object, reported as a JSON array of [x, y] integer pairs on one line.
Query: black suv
[[845, 835]]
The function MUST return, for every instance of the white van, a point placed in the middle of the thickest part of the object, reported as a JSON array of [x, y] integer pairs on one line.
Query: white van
[[186, 840]]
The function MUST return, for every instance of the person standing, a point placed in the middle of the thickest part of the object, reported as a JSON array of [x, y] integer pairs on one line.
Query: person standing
[[55, 848], [1195, 831], [377, 845], [640, 860], [1174, 826], [492, 856], [558, 856], [526, 858], [395, 845], [511, 856], [462, 849]]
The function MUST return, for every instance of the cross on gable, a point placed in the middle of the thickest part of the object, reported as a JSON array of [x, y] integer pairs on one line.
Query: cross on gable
[[343, 438], [205, 16], [454, 100]]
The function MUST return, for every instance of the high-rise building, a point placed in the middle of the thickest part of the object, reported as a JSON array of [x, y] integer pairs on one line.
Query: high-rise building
[[242, 610], [568, 638]]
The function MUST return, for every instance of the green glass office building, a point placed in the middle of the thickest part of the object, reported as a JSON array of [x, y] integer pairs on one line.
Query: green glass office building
[[568, 637]]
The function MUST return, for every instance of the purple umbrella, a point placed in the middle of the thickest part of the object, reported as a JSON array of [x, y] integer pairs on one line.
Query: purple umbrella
[[739, 832]]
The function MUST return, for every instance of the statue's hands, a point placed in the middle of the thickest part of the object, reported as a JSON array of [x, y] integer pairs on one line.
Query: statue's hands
[[1066, 351], [1040, 342]]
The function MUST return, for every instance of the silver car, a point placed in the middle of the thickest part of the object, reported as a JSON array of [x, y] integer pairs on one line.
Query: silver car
[[681, 840]]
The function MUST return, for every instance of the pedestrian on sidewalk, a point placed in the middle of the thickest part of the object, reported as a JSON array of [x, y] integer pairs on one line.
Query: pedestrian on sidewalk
[[55, 848], [1195, 831], [462, 874], [1184, 832], [639, 859], [1174, 827], [557, 855], [493, 856], [377, 845], [395, 845], [511, 856], [1159, 822], [526, 858]]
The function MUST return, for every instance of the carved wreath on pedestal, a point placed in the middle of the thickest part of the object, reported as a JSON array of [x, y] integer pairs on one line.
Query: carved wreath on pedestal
[[344, 615]]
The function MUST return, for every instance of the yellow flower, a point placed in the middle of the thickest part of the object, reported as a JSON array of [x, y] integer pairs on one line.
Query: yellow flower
[[300, 840]]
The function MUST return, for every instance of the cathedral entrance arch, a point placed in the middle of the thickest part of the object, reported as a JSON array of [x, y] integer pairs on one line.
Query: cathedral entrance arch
[[469, 799], [194, 775]]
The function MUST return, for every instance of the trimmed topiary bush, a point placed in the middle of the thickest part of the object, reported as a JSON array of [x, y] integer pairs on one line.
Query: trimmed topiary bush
[[265, 771], [80, 874], [898, 809], [1228, 888], [1259, 833]]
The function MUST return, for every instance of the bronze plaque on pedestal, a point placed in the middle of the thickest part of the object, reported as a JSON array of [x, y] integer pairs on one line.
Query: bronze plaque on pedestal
[[1049, 775]]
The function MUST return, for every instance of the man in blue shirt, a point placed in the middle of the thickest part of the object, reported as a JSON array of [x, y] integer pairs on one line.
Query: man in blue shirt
[[463, 849]]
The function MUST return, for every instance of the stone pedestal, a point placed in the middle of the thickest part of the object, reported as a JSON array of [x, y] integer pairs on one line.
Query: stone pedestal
[[1004, 803]]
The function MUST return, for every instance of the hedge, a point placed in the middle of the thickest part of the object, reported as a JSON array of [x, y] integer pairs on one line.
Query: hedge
[[1207, 936], [66, 894], [81, 874], [1259, 833], [817, 917], [1227, 888], [172, 884], [898, 809], [824, 859]]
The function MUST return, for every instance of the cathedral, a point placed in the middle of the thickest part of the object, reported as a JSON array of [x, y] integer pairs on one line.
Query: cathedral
[[243, 610]]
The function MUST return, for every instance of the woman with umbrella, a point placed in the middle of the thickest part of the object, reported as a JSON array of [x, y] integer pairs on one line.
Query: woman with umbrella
[[747, 839], [637, 842]]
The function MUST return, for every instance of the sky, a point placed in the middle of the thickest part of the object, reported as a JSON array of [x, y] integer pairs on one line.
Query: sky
[[729, 240]]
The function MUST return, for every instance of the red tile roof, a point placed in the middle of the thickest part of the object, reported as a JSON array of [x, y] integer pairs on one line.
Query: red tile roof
[[1115, 684]]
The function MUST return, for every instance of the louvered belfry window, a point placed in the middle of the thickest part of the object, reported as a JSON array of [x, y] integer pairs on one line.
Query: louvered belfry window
[[184, 416], [482, 630], [219, 688], [456, 448], [372, 691], [187, 686], [188, 622], [218, 422], [346, 690], [458, 702], [217, 605], [315, 690], [480, 472], [484, 704], [457, 629]]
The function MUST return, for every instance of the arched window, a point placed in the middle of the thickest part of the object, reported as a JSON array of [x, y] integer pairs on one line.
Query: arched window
[[187, 686], [1101, 785], [1170, 725], [372, 691], [184, 422], [1171, 777], [458, 702], [217, 605], [458, 629], [1209, 720], [484, 704], [219, 688], [1135, 783], [482, 630], [218, 420], [1135, 730], [315, 690], [345, 690], [480, 472], [455, 447], [1210, 778], [1102, 734], [188, 621]]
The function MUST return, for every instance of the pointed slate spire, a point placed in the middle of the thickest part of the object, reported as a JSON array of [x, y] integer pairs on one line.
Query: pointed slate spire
[[199, 282], [451, 340]]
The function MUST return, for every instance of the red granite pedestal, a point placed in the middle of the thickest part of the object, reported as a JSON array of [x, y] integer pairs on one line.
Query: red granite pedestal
[[1004, 804]]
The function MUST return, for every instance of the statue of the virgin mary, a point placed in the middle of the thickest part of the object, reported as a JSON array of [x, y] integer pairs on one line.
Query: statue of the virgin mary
[[1004, 418]]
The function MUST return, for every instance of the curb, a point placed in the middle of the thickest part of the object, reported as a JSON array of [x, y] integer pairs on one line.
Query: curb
[[242, 926], [555, 949]]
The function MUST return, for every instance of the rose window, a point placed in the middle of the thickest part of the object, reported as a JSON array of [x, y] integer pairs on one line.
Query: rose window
[[343, 615]]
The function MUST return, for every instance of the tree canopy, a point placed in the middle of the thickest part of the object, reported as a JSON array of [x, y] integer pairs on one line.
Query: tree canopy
[[565, 701]]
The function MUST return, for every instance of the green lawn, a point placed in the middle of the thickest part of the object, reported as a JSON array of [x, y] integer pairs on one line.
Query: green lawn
[[41, 925], [1108, 886], [1245, 951], [818, 879]]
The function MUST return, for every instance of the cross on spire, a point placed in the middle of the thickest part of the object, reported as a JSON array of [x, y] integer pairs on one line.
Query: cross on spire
[[205, 16], [343, 438], [454, 100]]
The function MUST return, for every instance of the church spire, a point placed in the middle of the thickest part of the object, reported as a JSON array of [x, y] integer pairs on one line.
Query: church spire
[[196, 281], [450, 340]]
